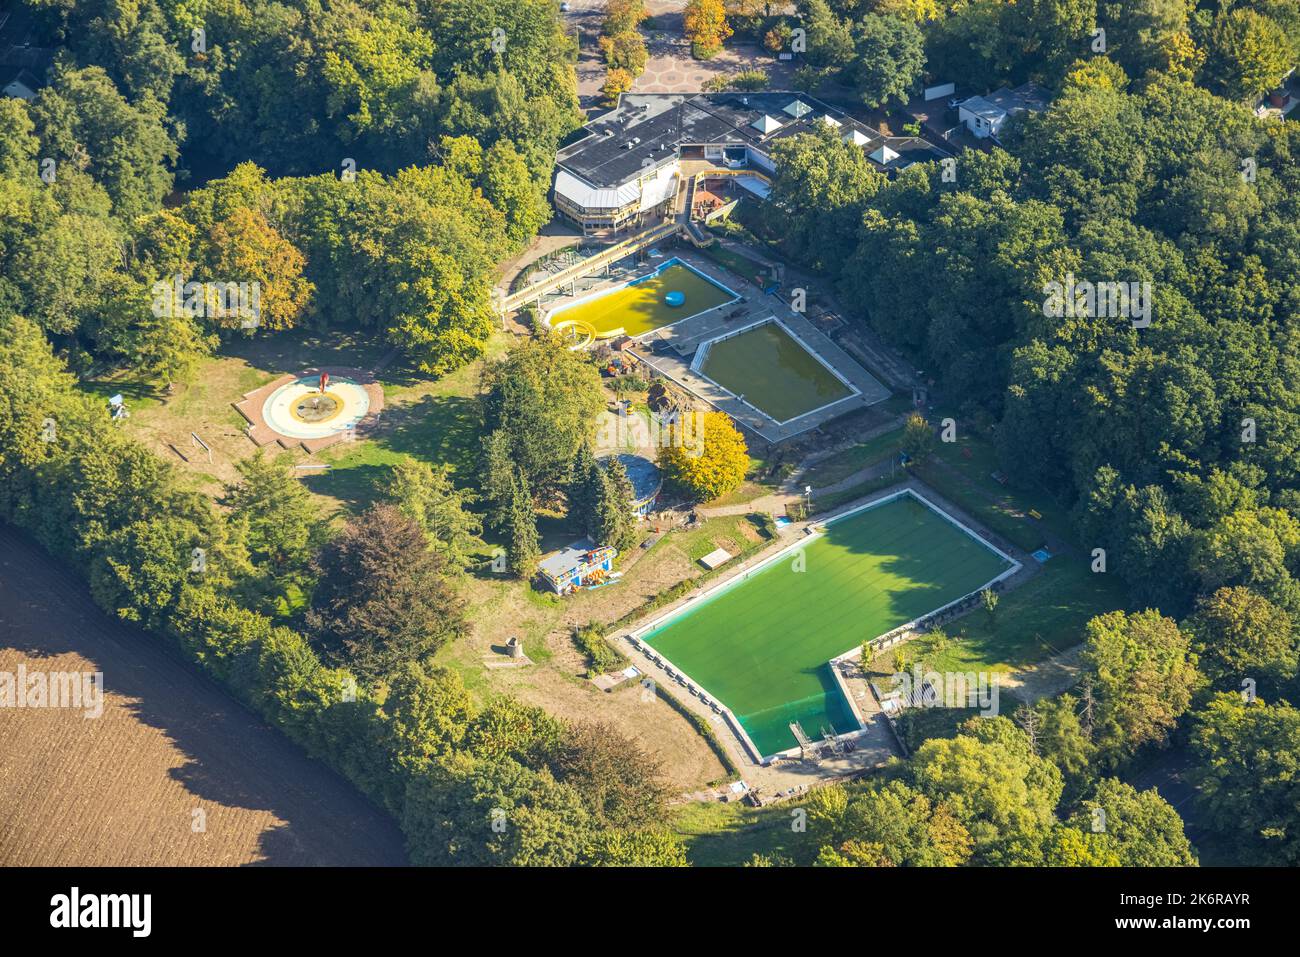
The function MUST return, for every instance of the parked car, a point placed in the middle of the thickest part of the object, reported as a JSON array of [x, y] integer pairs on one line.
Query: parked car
[[564, 8]]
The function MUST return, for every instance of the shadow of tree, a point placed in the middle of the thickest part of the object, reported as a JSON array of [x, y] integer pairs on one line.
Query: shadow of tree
[[440, 429], [356, 486], [231, 757], [297, 349]]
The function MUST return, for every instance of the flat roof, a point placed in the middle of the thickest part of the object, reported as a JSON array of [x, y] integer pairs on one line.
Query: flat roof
[[1005, 101], [562, 563], [716, 558], [630, 138], [645, 130]]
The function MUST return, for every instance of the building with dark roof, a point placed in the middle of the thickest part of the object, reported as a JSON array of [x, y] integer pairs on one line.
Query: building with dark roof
[[627, 169], [23, 61], [646, 479]]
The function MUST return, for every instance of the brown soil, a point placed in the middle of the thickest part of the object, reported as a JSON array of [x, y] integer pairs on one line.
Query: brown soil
[[122, 789], [687, 760]]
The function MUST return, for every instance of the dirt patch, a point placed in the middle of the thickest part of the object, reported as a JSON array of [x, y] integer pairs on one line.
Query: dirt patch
[[124, 788], [557, 682], [1047, 679], [688, 761]]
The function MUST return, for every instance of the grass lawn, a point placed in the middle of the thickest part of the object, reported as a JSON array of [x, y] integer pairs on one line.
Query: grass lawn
[[729, 835], [968, 481], [742, 266], [732, 532], [1039, 619], [747, 492], [431, 419], [841, 465], [822, 504], [773, 372], [762, 646], [437, 421], [639, 307]]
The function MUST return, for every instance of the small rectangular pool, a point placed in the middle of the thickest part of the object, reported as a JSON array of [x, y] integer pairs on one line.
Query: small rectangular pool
[[773, 371], [638, 306]]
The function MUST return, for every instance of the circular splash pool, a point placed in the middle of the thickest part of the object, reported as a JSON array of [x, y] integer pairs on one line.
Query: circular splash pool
[[300, 410]]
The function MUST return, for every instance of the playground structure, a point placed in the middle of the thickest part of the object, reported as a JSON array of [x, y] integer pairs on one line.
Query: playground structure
[[577, 333], [583, 564], [314, 410]]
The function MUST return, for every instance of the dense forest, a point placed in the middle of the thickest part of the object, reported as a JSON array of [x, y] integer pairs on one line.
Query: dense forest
[[378, 162], [1175, 441]]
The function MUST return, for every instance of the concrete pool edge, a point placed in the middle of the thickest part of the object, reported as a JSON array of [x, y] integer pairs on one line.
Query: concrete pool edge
[[557, 311], [812, 532], [702, 354]]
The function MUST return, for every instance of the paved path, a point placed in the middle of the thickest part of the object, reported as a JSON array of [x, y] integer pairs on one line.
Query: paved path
[[554, 236], [670, 67], [792, 489], [670, 351]]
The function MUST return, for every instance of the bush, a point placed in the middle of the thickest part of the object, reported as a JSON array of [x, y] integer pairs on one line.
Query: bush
[[750, 80], [602, 657], [629, 383]]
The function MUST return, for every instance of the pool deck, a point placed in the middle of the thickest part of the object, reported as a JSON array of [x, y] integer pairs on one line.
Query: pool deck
[[668, 350], [617, 281], [876, 744], [873, 747], [785, 777]]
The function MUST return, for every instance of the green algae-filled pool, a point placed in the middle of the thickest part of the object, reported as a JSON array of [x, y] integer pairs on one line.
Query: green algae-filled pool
[[773, 371], [761, 646], [639, 307]]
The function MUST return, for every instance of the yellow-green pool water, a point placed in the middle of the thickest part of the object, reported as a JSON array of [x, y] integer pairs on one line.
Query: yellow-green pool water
[[773, 372], [639, 307]]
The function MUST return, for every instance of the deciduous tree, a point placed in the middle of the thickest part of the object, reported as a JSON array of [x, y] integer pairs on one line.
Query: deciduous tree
[[382, 597], [711, 471]]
